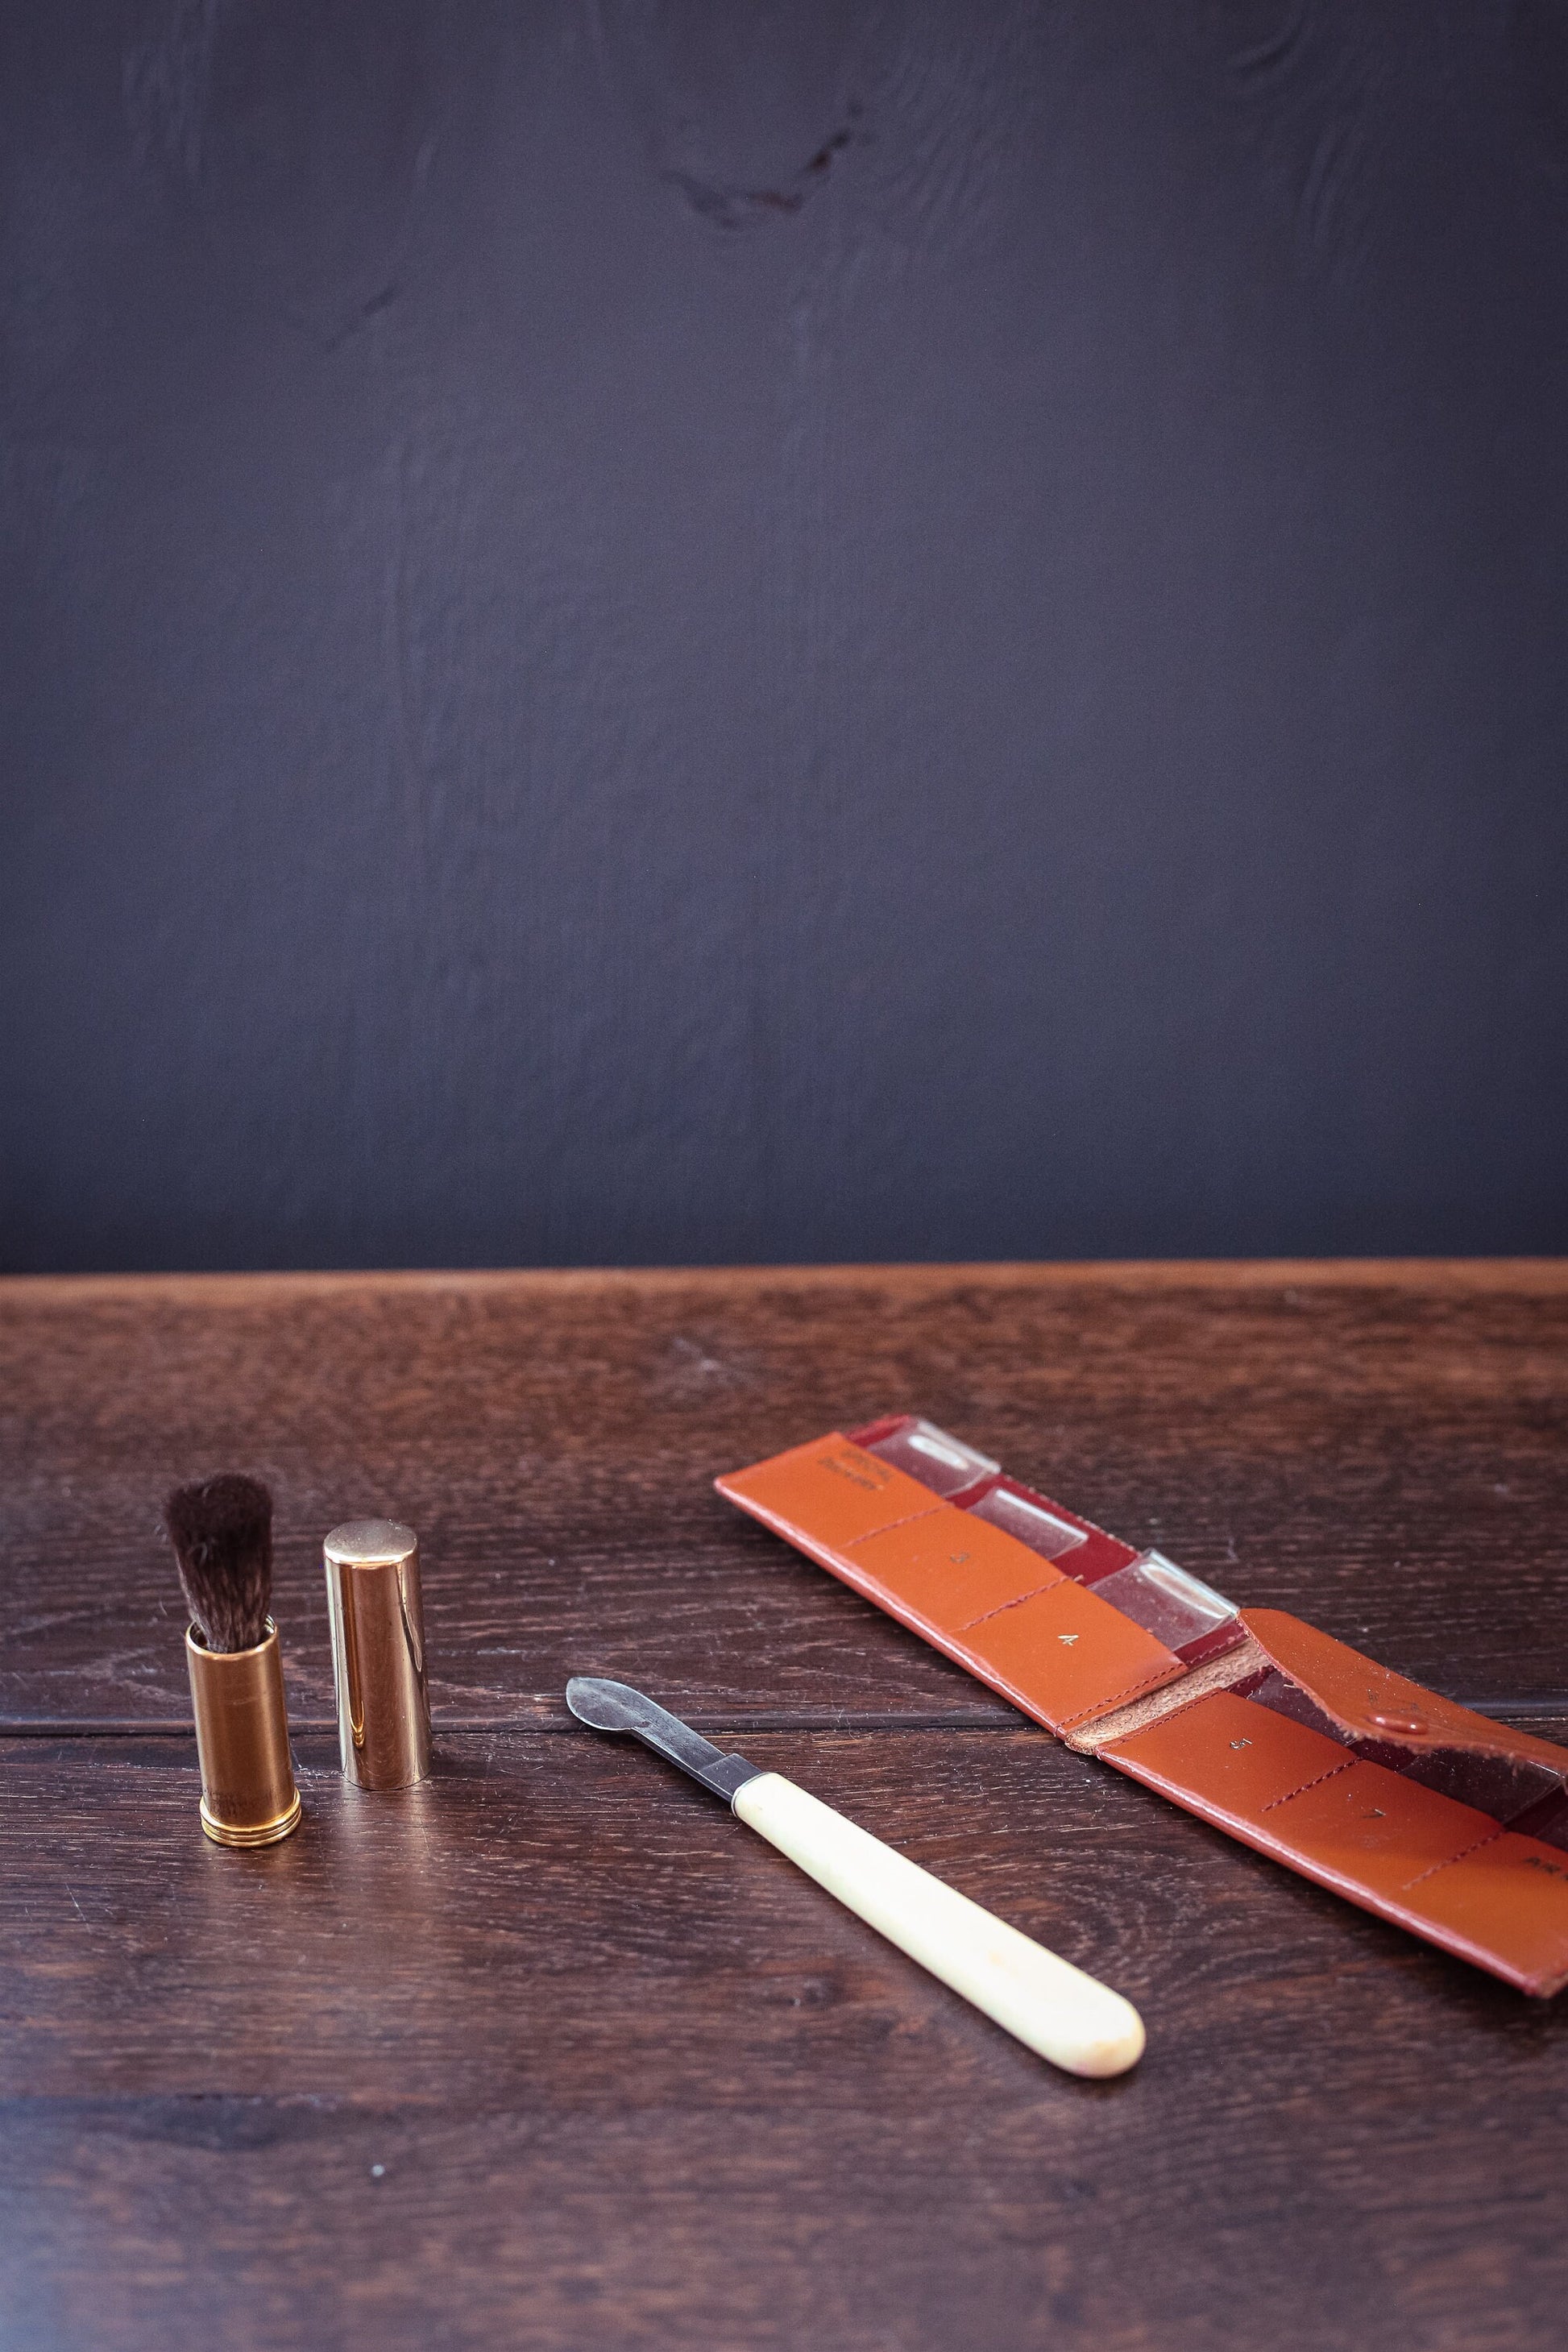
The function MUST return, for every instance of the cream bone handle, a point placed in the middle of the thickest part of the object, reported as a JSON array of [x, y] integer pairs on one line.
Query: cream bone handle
[[1053, 2007]]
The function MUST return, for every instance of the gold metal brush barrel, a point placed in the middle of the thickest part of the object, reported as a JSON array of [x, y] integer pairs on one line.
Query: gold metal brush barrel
[[248, 1797], [378, 1653]]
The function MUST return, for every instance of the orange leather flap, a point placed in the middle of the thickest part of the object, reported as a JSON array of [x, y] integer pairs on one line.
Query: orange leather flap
[[826, 1495], [1370, 1702], [1054, 1648], [1388, 1842], [1064, 1655]]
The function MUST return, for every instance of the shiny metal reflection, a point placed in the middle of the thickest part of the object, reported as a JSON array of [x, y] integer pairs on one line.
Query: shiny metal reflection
[[378, 1653], [249, 1796]]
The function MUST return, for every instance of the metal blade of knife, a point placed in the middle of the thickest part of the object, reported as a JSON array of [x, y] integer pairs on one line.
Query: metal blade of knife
[[617, 1707]]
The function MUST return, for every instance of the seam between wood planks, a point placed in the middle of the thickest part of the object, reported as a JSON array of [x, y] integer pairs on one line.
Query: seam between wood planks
[[1554, 1708]]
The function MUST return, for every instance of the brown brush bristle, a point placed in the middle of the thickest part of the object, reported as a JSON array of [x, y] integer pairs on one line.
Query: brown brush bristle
[[221, 1529]]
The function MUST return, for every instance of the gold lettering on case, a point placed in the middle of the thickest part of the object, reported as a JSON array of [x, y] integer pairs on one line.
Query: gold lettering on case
[[1067, 1640], [856, 1476], [1241, 1743]]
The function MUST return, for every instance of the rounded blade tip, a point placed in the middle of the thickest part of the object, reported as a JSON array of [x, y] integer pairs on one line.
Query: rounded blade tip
[[606, 1705]]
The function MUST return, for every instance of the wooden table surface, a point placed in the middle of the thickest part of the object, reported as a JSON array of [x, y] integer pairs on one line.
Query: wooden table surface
[[553, 2053]]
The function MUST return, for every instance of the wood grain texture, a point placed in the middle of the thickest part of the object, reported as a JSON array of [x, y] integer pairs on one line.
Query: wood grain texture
[[632, 2079], [1380, 1451], [552, 2052]]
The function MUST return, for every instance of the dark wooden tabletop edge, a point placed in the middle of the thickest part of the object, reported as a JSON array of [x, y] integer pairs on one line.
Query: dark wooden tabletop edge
[[1532, 1275]]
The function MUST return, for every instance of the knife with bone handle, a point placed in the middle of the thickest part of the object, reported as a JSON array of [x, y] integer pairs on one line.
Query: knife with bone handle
[[1053, 2007]]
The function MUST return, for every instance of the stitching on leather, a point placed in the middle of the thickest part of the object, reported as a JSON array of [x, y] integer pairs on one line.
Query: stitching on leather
[[1465, 1852], [1118, 1698], [1315, 1782], [871, 1533], [1003, 1606]]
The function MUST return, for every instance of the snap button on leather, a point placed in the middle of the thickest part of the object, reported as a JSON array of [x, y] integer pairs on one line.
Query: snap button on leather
[[1415, 1725]]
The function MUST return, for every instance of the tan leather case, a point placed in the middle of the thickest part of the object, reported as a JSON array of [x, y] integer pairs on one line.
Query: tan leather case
[[1433, 1817]]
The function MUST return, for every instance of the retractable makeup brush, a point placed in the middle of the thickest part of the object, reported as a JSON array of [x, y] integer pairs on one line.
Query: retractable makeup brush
[[221, 1529], [1053, 2007]]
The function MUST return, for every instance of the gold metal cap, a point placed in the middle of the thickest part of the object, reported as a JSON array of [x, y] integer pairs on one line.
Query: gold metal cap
[[248, 1797], [378, 1653]]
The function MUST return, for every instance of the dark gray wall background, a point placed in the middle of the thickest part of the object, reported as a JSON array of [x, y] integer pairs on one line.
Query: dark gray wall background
[[714, 631]]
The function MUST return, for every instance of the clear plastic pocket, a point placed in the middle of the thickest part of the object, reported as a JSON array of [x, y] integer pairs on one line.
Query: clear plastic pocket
[[1025, 1517], [1176, 1608], [923, 1451]]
